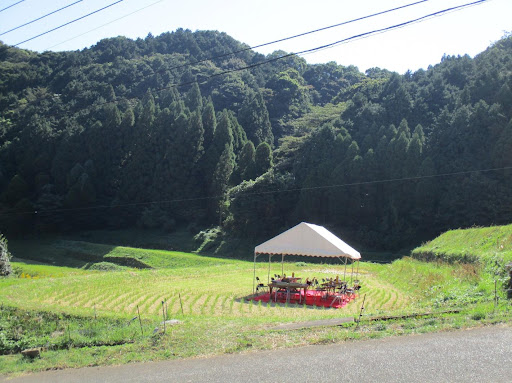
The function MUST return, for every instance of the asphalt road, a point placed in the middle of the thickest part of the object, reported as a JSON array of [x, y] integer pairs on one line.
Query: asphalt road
[[477, 355]]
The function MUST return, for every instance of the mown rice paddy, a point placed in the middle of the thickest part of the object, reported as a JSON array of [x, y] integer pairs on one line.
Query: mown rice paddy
[[209, 296]]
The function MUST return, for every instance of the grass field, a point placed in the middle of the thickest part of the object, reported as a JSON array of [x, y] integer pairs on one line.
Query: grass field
[[212, 287], [85, 310]]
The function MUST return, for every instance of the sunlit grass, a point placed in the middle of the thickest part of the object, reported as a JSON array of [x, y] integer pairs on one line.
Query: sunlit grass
[[470, 245], [208, 296], [220, 291]]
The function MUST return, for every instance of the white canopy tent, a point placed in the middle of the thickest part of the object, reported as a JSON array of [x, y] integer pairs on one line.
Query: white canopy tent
[[306, 239]]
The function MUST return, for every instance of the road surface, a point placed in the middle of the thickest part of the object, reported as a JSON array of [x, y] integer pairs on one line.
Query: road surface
[[477, 355]]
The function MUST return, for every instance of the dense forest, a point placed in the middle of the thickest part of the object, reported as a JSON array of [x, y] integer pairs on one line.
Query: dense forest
[[176, 131]]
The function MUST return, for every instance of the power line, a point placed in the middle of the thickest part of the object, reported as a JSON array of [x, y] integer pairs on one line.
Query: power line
[[392, 27], [363, 35], [256, 46], [12, 5], [101, 26], [396, 26], [330, 45], [311, 188], [297, 35], [42, 17], [340, 24], [304, 52], [70, 22]]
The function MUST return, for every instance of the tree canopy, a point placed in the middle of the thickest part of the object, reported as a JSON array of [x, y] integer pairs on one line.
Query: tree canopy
[[106, 137]]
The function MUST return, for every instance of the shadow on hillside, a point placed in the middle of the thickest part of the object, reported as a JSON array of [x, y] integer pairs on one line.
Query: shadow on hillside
[[139, 238], [382, 257], [180, 240], [58, 252]]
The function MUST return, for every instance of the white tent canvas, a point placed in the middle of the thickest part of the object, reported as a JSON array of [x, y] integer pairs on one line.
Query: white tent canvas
[[307, 239]]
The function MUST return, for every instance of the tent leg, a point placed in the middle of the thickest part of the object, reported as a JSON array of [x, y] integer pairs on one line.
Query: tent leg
[[254, 275], [282, 265], [268, 276], [345, 272], [352, 272]]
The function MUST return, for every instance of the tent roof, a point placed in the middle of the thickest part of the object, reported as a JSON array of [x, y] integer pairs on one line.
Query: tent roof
[[308, 240]]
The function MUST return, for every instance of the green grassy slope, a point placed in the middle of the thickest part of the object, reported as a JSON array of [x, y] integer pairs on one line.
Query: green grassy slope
[[482, 245], [85, 255]]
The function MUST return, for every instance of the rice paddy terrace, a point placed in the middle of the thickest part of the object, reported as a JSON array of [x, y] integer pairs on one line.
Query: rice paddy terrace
[[82, 302], [189, 284]]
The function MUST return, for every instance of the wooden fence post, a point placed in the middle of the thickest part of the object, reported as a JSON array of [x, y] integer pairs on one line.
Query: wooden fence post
[[140, 321], [495, 293], [163, 314], [361, 311], [181, 303]]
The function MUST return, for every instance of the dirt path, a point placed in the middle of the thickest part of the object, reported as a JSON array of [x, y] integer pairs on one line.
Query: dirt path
[[477, 355]]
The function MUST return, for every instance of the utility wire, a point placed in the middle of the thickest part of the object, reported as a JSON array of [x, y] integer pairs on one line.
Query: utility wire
[[260, 45], [70, 22], [398, 26], [12, 5], [298, 35], [311, 188], [330, 45], [387, 29], [40, 18], [307, 51], [304, 52], [104, 25]]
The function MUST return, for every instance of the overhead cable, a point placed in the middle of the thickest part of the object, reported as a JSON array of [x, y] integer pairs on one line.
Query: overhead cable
[[271, 42], [12, 5], [40, 18], [308, 51], [392, 27], [330, 45], [302, 34], [249, 194], [70, 22], [104, 25]]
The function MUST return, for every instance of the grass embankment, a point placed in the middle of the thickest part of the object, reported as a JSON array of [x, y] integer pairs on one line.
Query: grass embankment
[[488, 248], [86, 317], [476, 245], [87, 255]]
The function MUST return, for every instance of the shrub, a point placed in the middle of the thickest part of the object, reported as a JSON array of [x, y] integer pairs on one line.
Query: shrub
[[5, 257], [106, 266]]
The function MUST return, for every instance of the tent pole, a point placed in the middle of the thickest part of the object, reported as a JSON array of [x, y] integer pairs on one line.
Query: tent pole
[[357, 272], [345, 272], [339, 258], [254, 275], [282, 265], [268, 276], [352, 273]]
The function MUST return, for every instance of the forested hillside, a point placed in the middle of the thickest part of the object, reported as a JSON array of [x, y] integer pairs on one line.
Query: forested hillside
[[166, 131]]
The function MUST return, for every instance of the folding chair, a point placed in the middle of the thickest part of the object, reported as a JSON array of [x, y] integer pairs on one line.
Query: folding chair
[[260, 286]]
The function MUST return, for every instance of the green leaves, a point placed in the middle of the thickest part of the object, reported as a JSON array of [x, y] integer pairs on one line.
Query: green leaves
[[5, 256]]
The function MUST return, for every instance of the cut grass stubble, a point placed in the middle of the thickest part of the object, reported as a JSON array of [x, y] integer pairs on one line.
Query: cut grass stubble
[[216, 317]]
